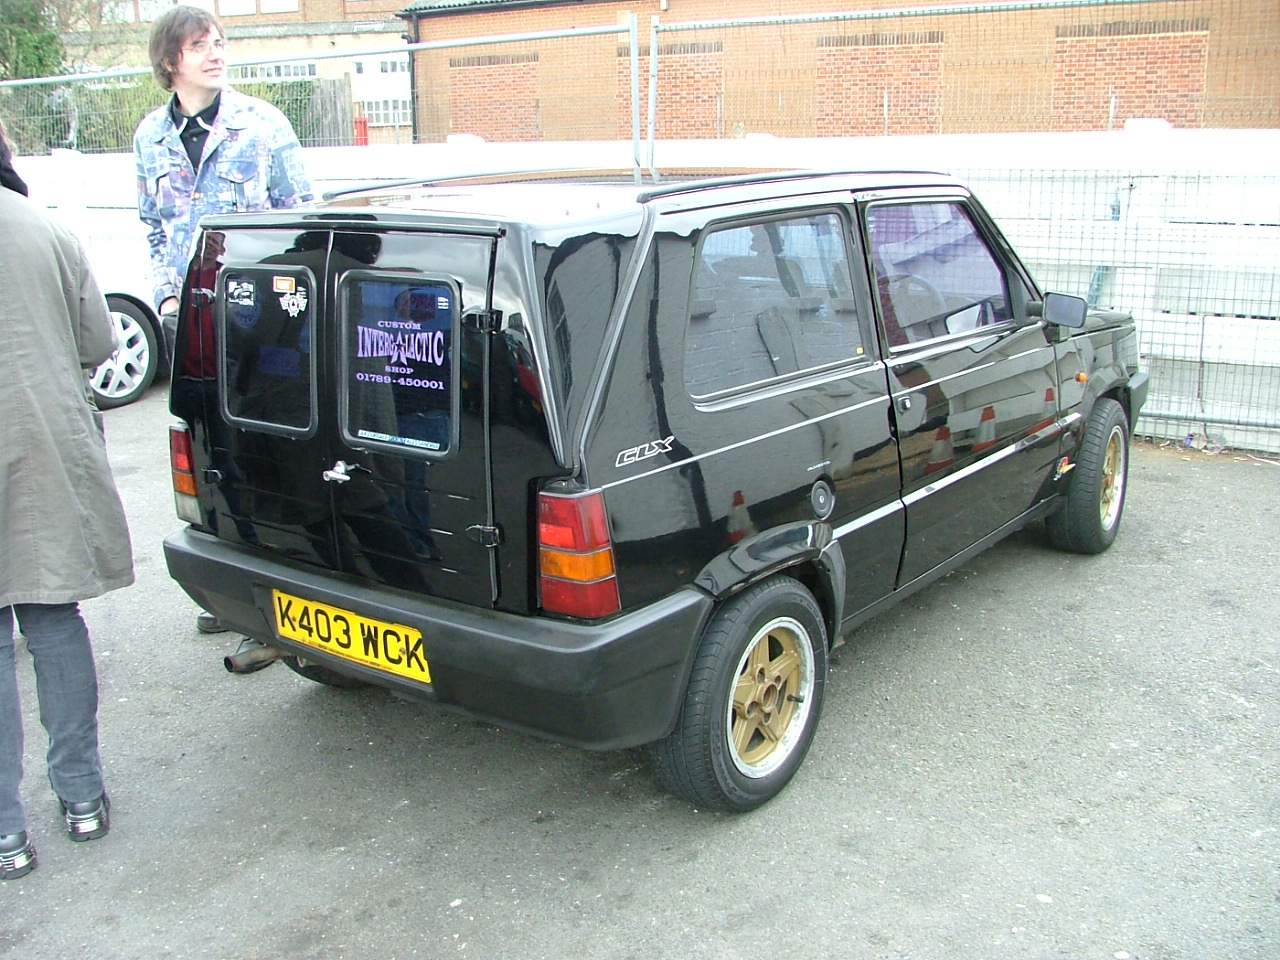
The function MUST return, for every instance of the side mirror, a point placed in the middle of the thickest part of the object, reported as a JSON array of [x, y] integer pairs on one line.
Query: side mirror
[[1060, 309]]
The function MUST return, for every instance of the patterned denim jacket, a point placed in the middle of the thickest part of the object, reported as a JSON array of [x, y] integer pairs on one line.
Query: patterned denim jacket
[[252, 161]]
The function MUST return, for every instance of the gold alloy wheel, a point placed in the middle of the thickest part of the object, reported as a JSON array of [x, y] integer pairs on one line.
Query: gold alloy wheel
[[771, 697], [1111, 492]]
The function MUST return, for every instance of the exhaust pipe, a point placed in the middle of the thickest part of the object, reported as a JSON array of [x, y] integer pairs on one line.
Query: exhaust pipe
[[252, 656]]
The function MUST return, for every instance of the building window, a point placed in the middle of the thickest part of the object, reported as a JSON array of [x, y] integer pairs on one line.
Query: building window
[[149, 10], [133, 11], [395, 66], [387, 113], [145, 11], [272, 71]]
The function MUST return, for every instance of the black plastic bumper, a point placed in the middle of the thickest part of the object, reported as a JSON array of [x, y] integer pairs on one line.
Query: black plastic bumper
[[613, 684]]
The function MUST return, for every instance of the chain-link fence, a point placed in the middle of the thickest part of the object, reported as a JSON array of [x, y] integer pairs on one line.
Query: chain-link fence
[[551, 85], [1033, 65], [99, 115], [1193, 252], [1194, 255], [1058, 65]]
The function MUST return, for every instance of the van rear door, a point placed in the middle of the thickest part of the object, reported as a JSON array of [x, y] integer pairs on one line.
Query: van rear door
[[350, 433]]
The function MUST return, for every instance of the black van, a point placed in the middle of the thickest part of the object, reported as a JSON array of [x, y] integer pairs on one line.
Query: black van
[[618, 464]]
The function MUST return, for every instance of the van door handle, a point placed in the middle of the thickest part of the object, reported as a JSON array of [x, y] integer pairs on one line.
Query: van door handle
[[341, 471]]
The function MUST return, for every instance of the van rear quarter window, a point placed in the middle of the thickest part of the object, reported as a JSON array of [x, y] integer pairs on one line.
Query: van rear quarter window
[[399, 368], [770, 299]]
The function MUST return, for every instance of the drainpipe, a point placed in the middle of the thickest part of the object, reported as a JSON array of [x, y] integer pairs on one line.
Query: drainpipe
[[413, 82]]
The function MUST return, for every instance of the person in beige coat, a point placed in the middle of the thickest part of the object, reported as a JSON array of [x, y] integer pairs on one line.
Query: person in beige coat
[[63, 536]]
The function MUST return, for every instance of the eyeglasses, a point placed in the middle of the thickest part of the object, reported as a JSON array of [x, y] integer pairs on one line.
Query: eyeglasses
[[201, 48]]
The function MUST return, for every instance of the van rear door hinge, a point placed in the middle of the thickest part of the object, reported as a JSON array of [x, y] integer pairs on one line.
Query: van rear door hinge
[[483, 321], [485, 536]]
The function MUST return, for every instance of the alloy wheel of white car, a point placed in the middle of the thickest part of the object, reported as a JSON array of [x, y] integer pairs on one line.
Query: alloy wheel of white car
[[127, 374]]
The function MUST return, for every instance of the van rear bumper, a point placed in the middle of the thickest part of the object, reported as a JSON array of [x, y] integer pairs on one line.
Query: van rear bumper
[[617, 683]]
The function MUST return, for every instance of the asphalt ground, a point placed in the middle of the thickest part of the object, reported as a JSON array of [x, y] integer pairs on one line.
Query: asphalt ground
[[1040, 756]]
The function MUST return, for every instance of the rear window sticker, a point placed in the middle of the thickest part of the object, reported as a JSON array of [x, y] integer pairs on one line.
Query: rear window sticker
[[295, 302], [241, 292]]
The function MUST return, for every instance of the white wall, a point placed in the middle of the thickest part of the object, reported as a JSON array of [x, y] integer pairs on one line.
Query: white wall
[[1180, 227]]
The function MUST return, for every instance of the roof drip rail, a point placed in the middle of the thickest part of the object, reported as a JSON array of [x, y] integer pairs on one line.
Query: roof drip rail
[[474, 177], [773, 176], [688, 183]]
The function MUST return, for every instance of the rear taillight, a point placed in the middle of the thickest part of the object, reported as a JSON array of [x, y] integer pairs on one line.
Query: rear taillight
[[575, 555], [182, 465]]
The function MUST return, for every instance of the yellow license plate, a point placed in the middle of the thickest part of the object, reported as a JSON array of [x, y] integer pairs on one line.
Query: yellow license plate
[[390, 647]]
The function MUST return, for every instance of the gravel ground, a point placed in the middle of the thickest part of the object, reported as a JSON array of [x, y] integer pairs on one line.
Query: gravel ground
[[1040, 756]]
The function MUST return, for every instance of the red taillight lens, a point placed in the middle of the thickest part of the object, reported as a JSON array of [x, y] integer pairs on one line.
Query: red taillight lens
[[181, 461], [574, 522], [575, 555], [588, 600]]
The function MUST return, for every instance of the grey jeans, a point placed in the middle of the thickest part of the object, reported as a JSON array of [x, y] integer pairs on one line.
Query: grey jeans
[[67, 691]]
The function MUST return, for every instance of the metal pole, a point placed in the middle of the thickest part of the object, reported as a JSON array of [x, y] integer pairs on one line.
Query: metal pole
[[633, 32], [653, 98]]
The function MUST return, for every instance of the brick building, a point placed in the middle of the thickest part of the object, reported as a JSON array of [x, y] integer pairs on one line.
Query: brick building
[[782, 67]]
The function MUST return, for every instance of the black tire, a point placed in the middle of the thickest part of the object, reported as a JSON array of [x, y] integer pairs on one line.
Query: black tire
[[318, 674], [1089, 518], [766, 649], [132, 368]]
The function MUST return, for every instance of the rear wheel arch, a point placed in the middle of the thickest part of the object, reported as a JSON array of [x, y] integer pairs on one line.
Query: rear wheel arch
[[817, 564]]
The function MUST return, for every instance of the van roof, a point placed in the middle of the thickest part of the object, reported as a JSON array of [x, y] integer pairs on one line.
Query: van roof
[[575, 199]]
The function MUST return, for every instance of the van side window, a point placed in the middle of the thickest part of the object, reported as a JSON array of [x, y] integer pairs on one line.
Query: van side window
[[768, 300], [934, 274]]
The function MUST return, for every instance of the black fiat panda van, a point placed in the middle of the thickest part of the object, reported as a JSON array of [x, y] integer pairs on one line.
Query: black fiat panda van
[[619, 464]]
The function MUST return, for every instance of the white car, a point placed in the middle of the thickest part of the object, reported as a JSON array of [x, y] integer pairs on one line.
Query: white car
[[118, 254], [96, 202]]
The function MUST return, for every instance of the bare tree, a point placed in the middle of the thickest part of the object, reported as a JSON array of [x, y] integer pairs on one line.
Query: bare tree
[[92, 40]]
